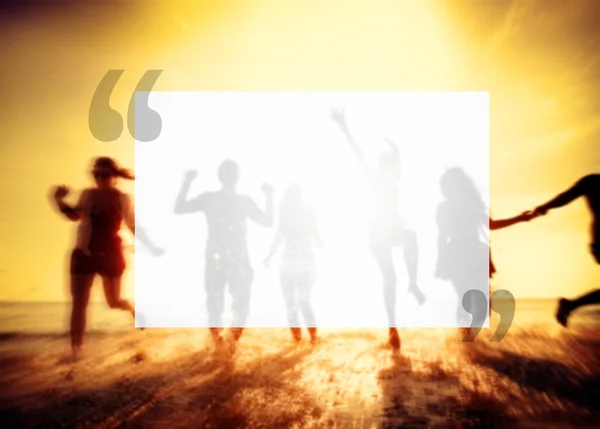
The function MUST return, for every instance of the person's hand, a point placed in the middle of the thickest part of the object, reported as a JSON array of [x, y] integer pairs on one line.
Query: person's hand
[[190, 175], [540, 211], [337, 114], [527, 216], [267, 189], [60, 192]]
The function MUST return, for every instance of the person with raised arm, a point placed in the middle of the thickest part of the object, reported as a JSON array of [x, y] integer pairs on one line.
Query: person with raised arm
[[387, 229], [227, 259], [100, 211], [589, 188]]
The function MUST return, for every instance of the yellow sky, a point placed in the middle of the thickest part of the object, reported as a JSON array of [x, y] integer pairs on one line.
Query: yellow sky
[[539, 60]]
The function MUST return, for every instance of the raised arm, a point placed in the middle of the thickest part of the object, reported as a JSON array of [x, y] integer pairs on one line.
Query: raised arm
[[73, 213], [255, 214], [138, 232], [182, 204], [339, 117], [577, 190]]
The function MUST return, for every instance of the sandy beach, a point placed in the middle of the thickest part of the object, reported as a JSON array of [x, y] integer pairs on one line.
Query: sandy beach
[[540, 375]]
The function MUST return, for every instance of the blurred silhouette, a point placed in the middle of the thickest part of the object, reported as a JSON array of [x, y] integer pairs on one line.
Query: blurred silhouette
[[386, 228], [227, 259], [100, 210], [462, 253], [298, 229], [588, 187]]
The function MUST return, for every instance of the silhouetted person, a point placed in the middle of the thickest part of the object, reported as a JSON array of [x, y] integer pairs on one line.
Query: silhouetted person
[[100, 211], [588, 187], [227, 259], [462, 253], [386, 228], [299, 232]]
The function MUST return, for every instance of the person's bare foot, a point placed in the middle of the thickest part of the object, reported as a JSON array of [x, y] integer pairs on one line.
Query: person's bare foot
[[296, 334], [394, 339], [140, 318], [76, 353]]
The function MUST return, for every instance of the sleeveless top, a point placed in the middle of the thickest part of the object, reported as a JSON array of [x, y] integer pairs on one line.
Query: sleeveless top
[[99, 228]]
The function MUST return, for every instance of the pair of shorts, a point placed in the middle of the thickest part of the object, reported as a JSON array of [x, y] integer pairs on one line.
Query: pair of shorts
[[109, 264]]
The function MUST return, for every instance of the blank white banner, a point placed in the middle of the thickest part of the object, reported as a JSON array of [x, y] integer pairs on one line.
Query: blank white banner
[[342, 259]]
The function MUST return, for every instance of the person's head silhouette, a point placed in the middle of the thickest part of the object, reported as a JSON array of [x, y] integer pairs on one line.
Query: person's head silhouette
[[106, 171], [458, 187], [229, 173], [293, 196]]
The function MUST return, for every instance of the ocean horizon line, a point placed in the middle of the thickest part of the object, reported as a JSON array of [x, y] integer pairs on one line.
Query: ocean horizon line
[[68, 301]]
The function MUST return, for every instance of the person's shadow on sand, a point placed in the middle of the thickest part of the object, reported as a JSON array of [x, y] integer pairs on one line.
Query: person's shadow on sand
[[430, 397], [197, 388], [543, 375]]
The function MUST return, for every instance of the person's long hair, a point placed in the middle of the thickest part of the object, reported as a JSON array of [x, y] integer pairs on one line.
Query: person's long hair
[[460, 190], [115, 169], [293, 206]]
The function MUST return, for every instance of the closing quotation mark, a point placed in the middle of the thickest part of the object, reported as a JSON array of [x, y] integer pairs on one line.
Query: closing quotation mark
[[475, 303], [106, 124]]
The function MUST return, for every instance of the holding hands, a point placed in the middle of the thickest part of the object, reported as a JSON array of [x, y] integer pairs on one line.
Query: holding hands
[[526, 216]]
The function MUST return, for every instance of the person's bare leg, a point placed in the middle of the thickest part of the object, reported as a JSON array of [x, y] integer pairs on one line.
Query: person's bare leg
[[411, 260], [81, 285], [308, 312], [112, 292], [566, 306], [240, 289], [289, 286], [386, 265]]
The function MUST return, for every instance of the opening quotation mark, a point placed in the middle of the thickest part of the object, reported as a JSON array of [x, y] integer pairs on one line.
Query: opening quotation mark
[[143, 123], [502, 303]]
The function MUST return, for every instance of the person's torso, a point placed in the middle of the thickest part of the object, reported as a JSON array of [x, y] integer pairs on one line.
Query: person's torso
[[463, 227], [299, 232], [383, 203], [226, 216], [105, 216]]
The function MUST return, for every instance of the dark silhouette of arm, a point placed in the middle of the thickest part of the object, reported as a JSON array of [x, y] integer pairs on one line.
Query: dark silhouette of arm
[[73, 213], [274, 247], [338, 117], [579, 189], [264, 218], [496, 224], [183, 205]]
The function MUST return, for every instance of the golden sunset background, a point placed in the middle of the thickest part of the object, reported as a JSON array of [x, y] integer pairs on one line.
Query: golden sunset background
[[539, 60]]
